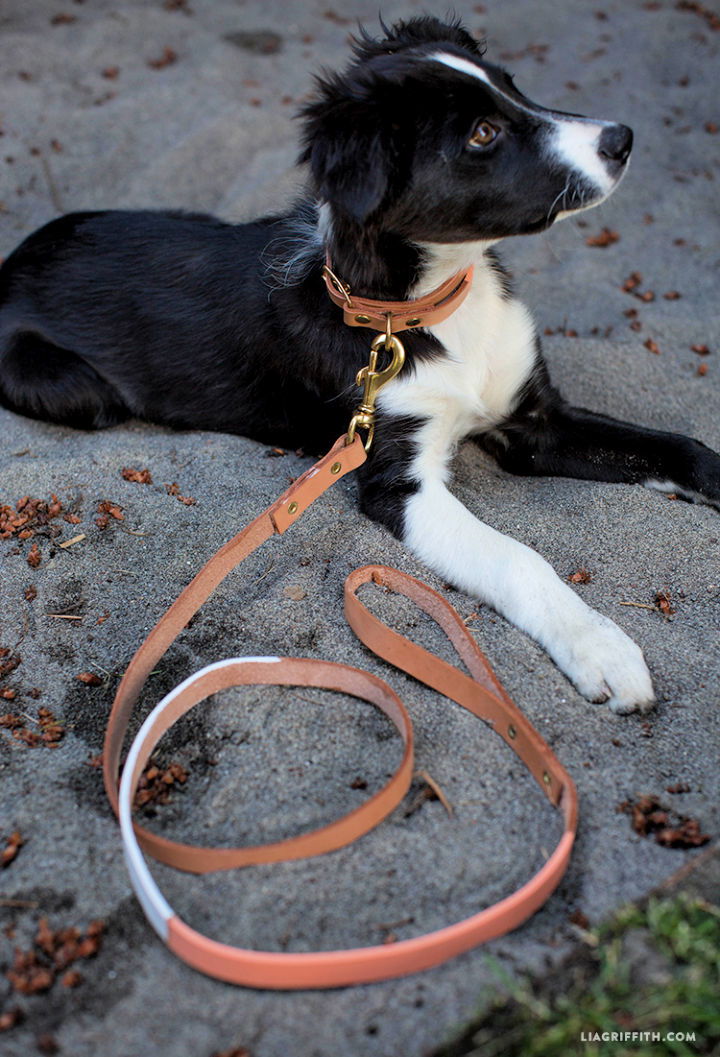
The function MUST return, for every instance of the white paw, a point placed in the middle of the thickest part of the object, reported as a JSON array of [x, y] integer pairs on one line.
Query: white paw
[[605, 665]]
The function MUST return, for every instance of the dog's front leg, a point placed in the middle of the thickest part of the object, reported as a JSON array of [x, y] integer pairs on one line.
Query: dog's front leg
[[548, 437], [411, 497]]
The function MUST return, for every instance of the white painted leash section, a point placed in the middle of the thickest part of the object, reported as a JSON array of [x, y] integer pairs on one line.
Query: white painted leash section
[[157, 909]]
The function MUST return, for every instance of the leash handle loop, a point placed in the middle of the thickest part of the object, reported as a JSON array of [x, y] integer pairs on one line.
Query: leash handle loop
[[480, 692]]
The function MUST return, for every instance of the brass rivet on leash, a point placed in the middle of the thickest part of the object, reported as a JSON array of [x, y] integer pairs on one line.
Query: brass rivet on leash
[[292, 509], [362, 319], [336, 467], [546, 778], [415, 322], [512, 733]]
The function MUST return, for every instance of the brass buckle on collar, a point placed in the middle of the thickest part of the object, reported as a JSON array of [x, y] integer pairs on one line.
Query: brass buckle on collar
[[342, 288], [372, 380]]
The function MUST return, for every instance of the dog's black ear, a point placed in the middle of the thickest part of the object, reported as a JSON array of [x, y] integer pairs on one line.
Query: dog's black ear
[[350, 171], [344, 143]]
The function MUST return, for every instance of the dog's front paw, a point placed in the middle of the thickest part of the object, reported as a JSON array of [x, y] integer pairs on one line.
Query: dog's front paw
[[606, 666]]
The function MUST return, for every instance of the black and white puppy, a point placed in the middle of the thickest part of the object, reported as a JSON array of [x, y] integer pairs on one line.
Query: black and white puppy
[[421, 157]]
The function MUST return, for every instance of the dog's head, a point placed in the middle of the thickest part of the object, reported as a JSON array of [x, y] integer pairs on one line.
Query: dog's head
[[422, 137]]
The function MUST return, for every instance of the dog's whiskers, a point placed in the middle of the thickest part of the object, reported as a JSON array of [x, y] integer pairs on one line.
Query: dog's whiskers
[[561, 199]]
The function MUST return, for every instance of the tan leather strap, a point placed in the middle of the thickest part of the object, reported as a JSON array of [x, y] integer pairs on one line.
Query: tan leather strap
[[341, 459], [479, 692], [402, 315]]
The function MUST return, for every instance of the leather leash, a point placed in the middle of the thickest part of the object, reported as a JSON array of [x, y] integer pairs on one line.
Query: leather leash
[[480, 692]]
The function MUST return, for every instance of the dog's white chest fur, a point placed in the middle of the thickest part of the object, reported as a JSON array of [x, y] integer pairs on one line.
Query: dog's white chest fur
[[490, 350]]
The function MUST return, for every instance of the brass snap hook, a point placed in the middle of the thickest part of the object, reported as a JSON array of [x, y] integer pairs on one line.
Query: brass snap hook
[[372, 380]]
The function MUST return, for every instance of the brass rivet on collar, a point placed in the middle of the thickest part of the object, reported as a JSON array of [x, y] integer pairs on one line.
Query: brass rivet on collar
[[362, 319], [414, 322], [292, 509], [546, 778], [336, 467], [512, 733]]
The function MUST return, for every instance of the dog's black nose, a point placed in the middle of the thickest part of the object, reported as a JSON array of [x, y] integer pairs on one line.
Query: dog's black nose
[[616, 143]]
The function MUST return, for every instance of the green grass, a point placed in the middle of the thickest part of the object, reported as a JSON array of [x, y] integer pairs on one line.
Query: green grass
[[598, 991]]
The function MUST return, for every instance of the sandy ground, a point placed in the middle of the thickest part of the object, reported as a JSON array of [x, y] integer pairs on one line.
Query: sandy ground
[[93, 115]]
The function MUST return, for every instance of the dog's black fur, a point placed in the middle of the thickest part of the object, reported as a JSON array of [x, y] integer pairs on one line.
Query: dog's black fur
[[184, 320]]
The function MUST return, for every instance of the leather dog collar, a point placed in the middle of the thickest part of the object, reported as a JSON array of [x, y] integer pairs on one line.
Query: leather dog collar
[[395, 316], [479, 692]]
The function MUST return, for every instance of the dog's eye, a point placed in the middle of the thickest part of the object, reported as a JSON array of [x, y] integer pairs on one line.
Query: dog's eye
[[483, 134]]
